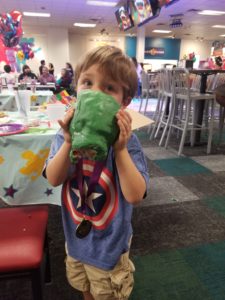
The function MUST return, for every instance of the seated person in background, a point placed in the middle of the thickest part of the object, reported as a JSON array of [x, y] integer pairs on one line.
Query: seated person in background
[[8, 76], [27, 75], [51, 68], [64, 82], [46, 76], [69, 68], [41, 66]]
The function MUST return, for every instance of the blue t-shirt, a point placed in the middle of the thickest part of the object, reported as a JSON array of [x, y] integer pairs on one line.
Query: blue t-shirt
[[105, 207]]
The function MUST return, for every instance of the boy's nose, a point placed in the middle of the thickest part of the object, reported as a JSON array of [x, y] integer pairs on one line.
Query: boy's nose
[[97, 87]]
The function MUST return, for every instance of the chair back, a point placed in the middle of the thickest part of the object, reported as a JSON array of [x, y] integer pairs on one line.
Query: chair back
[[181, 82], [167, 82], [219, 80], [144, 80]]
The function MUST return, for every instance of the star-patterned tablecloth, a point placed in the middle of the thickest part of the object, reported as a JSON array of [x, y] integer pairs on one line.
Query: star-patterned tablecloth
[[22, 157]]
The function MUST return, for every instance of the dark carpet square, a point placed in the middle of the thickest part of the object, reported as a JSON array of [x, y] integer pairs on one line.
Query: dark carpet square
[[175, 225], [205, 185]]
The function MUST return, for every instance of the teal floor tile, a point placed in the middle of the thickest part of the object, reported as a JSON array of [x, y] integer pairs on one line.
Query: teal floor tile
[[195, 273], [208, 263], [181, 166], [217, 204], [166, 276]]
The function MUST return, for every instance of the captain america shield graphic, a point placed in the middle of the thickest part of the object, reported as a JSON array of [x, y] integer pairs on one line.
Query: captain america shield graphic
[[100, 206]]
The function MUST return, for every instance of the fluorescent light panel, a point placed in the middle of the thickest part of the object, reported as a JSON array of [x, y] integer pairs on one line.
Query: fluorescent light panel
[[161, 31], [35, 14], [222, 35], [218, 26], [101, 3], [211, 12], [84, 25]]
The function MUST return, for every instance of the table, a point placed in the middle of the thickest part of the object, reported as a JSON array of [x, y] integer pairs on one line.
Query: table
[[7, 98], [201, 104], [22, 157]]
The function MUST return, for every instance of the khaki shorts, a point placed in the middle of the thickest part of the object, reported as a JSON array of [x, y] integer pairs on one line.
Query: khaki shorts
[[103, 285]]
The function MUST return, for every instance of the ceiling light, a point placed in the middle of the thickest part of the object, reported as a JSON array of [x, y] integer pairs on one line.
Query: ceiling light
[[218, 26], [101, 3], [84, 25], [211, 12], [35, 14], [223, 35], [161, 31]]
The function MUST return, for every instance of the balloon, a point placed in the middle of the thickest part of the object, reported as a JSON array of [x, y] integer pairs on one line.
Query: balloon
[[20, 55], [10, 28], [27, 55], [31, 54]]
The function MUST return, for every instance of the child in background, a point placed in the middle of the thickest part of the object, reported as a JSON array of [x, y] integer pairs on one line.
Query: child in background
[[97, 262]]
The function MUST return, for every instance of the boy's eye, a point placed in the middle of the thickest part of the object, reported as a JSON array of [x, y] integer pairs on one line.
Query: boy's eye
[[87, 82], [110, 88]]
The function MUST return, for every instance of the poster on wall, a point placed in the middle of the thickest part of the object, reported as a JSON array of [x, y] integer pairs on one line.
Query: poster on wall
[[155, 51], [218, 48]]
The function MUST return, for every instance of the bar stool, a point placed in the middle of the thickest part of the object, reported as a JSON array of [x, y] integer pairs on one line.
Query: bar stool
[[24, 245], [149, 84], [165, 100], [186, 120]]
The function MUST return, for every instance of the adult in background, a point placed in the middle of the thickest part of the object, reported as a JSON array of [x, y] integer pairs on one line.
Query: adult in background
[[51, 68], [41, 66], [27, 74], [64, 82], [46, 77], [69, 68], [139, 71]]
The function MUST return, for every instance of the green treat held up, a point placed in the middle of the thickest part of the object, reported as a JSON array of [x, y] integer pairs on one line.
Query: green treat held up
[[94, 127]]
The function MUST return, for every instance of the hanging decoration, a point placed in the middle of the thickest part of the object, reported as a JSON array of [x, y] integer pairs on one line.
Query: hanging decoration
[[11, 28]]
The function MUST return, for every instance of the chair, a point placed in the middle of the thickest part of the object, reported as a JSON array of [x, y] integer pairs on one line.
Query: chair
[[24, 245], [164, 101], [186, 120], [149, 87]]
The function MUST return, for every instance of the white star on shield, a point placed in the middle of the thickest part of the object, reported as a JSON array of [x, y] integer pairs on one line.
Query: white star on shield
[[88, 200]]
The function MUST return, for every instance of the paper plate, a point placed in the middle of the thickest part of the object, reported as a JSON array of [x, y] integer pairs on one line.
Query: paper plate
[[8, 129], [4, 120]]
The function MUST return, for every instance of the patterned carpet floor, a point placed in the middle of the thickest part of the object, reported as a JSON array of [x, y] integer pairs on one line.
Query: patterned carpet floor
[[179, 230]]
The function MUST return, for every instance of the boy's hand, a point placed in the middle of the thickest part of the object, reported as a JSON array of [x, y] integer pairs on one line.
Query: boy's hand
[[65, 124], [124, 122]]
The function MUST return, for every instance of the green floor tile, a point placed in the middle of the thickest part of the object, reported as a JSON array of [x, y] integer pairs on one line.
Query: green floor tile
[[208, 263], [166, 276], [216, 203], [195, 273], [181, 166]]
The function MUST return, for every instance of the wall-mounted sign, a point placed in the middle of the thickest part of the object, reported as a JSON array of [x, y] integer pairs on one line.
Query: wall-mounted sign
[[155, 51], [217, 48]]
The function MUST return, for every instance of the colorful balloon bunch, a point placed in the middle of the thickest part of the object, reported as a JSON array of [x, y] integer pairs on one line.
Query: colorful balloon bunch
[[25, 49], [10, 28]]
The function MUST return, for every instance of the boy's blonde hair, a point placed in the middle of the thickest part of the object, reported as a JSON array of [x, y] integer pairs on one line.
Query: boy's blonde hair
[[114, 64]]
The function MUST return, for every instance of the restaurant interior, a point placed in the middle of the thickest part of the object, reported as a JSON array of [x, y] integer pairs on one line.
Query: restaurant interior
[[178, 113]]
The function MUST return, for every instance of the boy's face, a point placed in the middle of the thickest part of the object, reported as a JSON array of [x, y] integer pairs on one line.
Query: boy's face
[[94, 79]]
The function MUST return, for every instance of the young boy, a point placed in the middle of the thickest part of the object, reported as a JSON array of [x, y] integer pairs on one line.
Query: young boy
[[98, 264]]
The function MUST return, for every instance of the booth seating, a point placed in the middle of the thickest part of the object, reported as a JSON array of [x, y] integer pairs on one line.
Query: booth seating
[[24, 245]]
